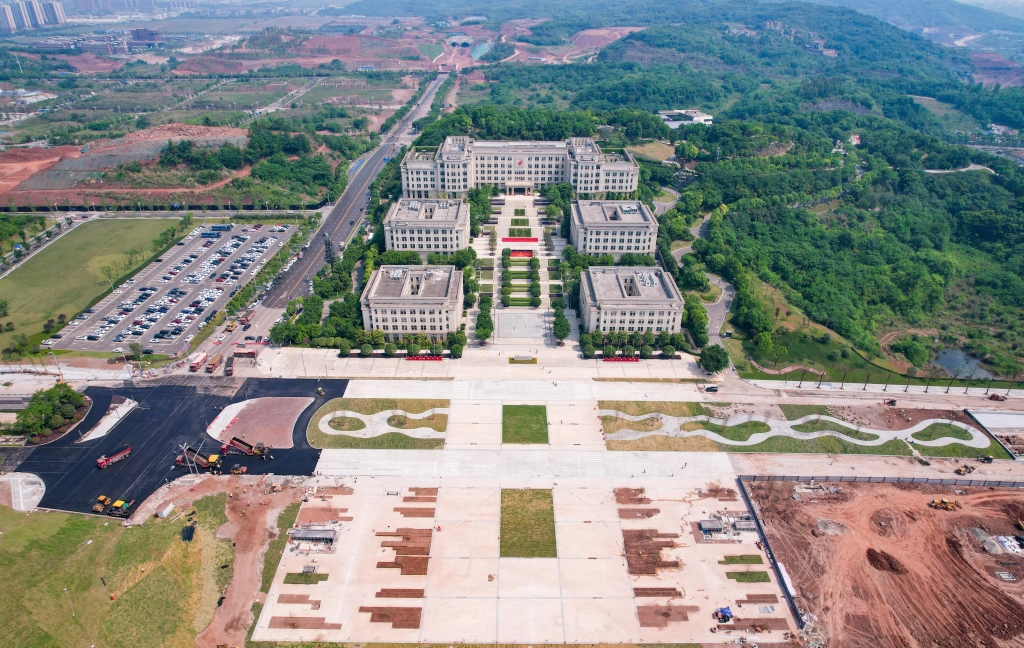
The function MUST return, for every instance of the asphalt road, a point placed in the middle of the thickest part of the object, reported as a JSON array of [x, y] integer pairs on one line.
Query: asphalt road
[[167, 417], [346, 216]]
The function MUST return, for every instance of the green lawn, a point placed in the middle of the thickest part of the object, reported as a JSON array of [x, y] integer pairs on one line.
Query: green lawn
[[520, 222], [794, 412], [527, 524], [745, 559], [825, 426], [304, 579], [65, 277], [431, 50], [739, 432], [388, 441], [960, 450], [275, 549], [524, 424], [53, 563], [939, 431], [749, 577]]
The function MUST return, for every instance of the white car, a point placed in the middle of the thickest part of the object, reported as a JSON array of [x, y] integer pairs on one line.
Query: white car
[[80, 337], [189, 338], [118, 349], [48, 342], [220, 338]]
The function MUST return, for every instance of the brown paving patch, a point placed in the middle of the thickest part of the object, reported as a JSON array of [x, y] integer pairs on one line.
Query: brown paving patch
[[758, 599], [302, 623], [409, 565], [630, 496], [415, 512], [320, 515], [418, 500], [659, 616], [413, 542], [421, 495], [298, 599], [400, 593], [398, 617], [763, 624], [652, 592], [634, 513], [267, 420], [334, 490], [643, 550]]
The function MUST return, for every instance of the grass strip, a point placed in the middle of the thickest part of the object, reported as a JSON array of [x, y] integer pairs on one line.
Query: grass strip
[[639, 408], [285, 520], [524, 424], [941, 430], [436, 422], [346, 424], [612, 424], [745, 559], [312, 578], [993, 450], [827, 426], [794, 412], [749, 577], [527, 524], [739, 432], [388, 441]]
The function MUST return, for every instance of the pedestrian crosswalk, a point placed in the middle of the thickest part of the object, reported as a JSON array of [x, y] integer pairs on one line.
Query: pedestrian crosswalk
[[582, 391], [462, 390], [593, 464]]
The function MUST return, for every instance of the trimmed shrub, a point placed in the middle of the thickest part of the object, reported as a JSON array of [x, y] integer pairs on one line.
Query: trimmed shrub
[[588, 351], [668, 351], [436, 349], [506, 300], [609, 351], [629, 351], [646, 351], [366, 350], [535, 302], [456, 350], [390, 349], [412, 349], [344, 348]]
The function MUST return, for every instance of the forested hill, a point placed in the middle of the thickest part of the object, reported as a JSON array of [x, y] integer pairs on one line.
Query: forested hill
[[915, 14]]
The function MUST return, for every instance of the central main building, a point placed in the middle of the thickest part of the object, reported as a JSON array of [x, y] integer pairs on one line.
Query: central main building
[[463, 163]]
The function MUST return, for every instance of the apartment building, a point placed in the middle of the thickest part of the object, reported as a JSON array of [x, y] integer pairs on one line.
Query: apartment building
[[427, 225], [619, 298], [613, 227], [403, 301], [20, 13], [35, 12], [518, 168], [7, 24], [53, 12]]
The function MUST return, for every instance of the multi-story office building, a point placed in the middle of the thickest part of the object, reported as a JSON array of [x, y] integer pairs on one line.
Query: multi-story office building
[[618, 298], [427, 225], [613, 227], [462, 163], [403, 301]]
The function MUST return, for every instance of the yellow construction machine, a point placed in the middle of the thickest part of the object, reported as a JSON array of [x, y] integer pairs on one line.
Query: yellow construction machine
[[945, 504]]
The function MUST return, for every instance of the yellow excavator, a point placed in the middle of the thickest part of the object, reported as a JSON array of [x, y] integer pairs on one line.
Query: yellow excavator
[[945, 504]]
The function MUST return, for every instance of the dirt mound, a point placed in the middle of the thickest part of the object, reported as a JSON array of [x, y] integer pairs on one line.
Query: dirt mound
[[883, 561], [17, 155], [181, 131]]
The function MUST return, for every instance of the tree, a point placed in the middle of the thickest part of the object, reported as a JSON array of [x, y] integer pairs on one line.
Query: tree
[[3, 308], [561, 328], [412, 349], [646, 351], [136, 350], [344, 348], [713, 358], [436, 349], [390, 350], [668, 351], [366, 350], [589, 351], [609, 351], [456, 350], [628, 351]]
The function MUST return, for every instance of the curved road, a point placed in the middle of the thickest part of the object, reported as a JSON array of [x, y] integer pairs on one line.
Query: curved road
[[346, 216], [718, 311]]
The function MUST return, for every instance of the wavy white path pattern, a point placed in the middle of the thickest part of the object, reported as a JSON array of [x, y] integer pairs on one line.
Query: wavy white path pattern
[[671, 424], [377, 424]]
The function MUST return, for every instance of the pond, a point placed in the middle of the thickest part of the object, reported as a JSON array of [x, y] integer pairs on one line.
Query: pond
[[956, 361]]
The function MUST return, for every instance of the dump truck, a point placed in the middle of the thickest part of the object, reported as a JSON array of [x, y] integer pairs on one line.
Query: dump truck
[[121, 508], [238, 446], [986, 459], [102, 502], [229, 366], [214, 363], [105, 461], [196, 360], [945, 504], [245, 319], [238, 469], [213, 462]]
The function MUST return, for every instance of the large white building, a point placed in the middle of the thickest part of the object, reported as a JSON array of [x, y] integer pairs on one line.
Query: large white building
[[619, 298], [403, 301], [462, 163], [613, 227], [427, 225]]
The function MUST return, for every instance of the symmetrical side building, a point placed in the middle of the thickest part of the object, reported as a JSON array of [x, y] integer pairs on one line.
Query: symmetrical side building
[[427, 225], [613, 227], [619, 298], [463, 163], [404, 301]]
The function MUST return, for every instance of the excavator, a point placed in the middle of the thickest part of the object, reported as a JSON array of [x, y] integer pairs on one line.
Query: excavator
[[965, 469], [945, 504]]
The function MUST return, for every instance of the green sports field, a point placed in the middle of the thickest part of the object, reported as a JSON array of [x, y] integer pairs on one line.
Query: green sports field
[[65, 277]]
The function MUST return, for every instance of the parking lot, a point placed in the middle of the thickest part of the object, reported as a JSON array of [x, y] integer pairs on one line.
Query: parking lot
[[167, 303]]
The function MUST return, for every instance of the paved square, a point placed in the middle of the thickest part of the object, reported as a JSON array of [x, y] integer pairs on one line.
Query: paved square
[[631, 566], [510, 324]]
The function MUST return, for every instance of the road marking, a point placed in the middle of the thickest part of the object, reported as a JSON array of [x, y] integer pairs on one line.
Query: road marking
[[594, 464], [583, 391]]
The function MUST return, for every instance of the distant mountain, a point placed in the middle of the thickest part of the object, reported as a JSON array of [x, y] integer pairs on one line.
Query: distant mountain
[[934, 14], [1013, 8]]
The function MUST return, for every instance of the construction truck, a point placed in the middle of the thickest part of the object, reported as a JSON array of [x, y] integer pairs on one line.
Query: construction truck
[[213, 462], [965, 469], [238, 469], [986, 459], [121, 508], [945, 504], [229, 366], [237, 446], [723, 615], [196, 360], [320, 391], [996, 397], [102, 502], [105, 461], [214, 363]]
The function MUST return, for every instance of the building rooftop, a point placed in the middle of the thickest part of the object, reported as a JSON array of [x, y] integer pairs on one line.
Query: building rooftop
[[612, 212], [631, 285], [437, 212], [413, 282]]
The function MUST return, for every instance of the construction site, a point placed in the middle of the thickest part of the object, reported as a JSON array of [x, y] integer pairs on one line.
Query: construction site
[[899, 564]]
